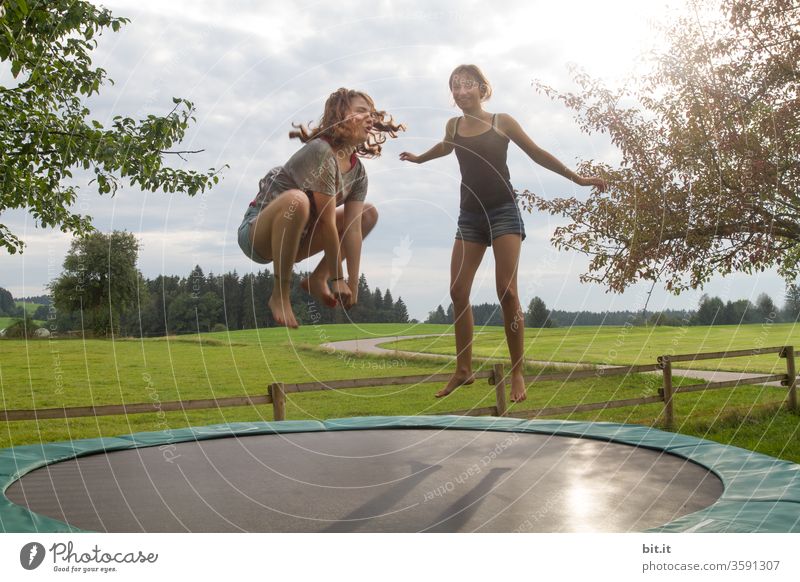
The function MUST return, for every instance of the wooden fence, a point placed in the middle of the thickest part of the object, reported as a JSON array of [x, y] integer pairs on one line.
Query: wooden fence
[[497, 376]]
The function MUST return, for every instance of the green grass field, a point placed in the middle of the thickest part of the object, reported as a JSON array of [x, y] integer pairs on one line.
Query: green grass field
[[30, 308], [633, 345], [72, 372]]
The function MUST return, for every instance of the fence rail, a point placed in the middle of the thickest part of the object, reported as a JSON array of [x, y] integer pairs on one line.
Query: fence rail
[[597, 372], [277, 392], [139, 408], [373, 382], [721, 355], [730, 383]]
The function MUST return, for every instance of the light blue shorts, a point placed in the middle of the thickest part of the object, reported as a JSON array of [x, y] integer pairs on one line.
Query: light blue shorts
[[244, 235]]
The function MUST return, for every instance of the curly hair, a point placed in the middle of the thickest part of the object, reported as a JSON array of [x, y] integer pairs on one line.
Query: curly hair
[[336, 126], [474, 72]]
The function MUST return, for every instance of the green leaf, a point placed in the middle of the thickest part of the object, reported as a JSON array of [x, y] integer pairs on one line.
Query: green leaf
[[52, 130]]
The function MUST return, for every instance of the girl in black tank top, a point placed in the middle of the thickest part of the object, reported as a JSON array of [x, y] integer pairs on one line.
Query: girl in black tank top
[[485, 181], [488, 216]]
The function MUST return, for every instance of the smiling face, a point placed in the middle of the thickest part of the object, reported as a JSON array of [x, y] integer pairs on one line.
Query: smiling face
[[466, 91], [469, 87]]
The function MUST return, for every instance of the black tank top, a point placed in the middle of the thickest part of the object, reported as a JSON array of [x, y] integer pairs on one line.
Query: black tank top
[[485, 181]]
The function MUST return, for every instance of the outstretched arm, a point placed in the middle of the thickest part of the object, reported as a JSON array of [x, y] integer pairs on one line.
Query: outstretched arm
[[441, 149], [511, 128]]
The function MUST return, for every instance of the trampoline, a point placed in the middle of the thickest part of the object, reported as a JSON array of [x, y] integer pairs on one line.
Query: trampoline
[[399, 474]]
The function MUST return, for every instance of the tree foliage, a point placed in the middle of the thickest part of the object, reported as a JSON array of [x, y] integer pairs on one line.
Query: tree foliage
[[709, 181], [100, 280], [400, 311], [197, 303], [791, 306], [47, 133], [710, 311], [766, 308], [7, 305], [486, 314], [438, 316], [537, 315]]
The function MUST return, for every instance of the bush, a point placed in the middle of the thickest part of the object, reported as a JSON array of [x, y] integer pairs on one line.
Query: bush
[[21, 329], [42, 312]]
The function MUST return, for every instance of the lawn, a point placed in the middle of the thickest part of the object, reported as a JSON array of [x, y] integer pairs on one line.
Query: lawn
[[633, 345], [72, 372], [30, 308]]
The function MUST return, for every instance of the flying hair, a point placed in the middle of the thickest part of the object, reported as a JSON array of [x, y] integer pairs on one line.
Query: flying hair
[[338, 129]]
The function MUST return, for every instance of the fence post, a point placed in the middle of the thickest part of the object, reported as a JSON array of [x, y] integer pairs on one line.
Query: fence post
[[278, 401], [669, 409], [791, 376], [500, 389]]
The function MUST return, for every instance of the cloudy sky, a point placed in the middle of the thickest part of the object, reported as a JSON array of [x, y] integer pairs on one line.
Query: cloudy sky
[[254, 67]]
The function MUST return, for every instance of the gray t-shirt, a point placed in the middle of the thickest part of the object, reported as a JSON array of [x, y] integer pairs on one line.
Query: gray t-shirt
[[313, 168]]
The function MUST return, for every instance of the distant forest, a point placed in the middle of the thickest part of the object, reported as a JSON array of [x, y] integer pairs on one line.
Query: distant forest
[[202, 303], [199, 302], [710, 311]]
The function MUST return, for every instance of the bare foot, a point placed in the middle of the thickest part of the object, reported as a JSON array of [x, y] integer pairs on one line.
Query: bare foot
[[518, 390], [282, 311], [318, 288], [455, 381]]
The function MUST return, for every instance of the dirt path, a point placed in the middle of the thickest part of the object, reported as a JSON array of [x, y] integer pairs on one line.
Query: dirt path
[[372, 346]]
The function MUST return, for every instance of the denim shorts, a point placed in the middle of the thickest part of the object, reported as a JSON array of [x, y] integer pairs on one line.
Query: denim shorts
[[244, 235], [247, 222], [486, 226]]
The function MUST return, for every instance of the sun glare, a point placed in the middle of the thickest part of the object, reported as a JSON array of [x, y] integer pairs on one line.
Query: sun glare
[[605, 38]]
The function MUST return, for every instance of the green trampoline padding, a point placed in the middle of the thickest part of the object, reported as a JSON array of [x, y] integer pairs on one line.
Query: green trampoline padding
[[761, 494]]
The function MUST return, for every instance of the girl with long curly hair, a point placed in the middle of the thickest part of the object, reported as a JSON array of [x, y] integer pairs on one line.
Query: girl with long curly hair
[[315, 202], [488, 216]]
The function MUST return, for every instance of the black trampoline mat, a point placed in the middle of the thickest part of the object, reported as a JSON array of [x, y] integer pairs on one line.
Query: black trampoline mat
[[372, 481]]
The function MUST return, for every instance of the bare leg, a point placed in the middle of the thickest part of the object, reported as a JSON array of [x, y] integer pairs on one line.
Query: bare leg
[[506, 257], [275, 235], [466, 259], [317, 283]]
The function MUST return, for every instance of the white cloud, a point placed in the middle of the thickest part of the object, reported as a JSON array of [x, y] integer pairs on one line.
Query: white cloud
[[252, 68]]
